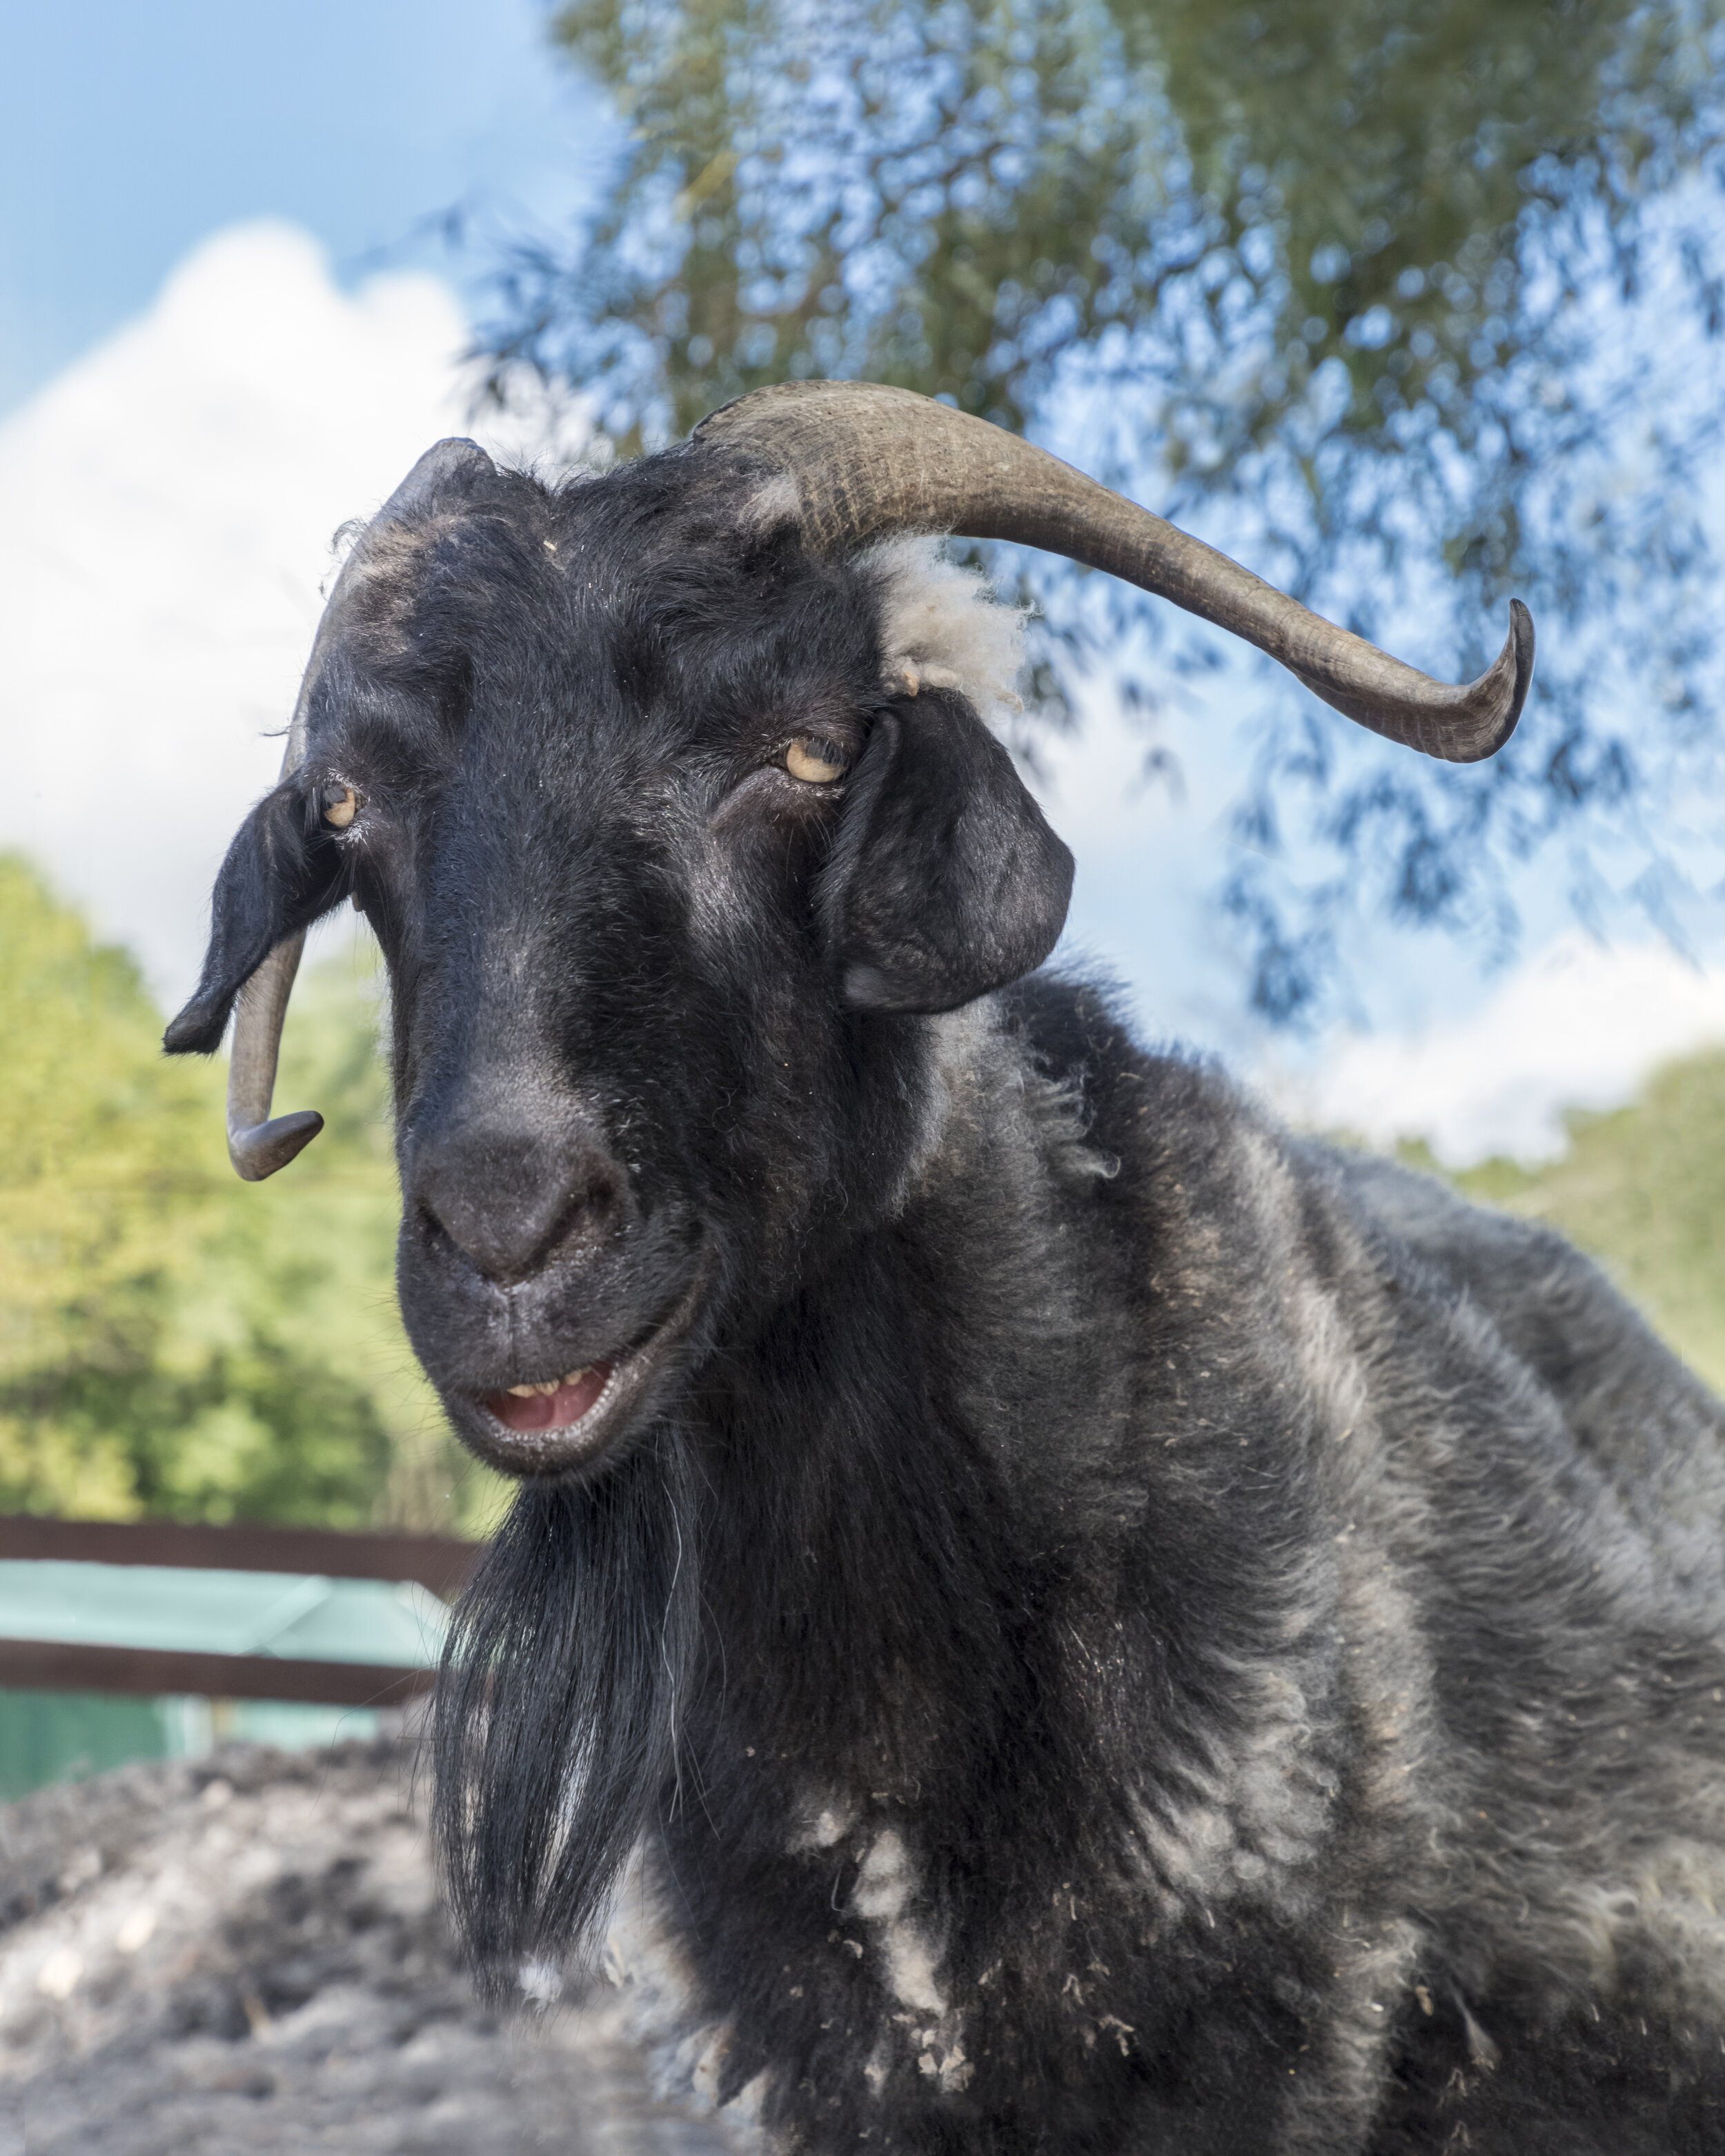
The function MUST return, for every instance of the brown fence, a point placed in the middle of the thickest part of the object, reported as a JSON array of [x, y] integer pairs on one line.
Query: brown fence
[[436, 1562]]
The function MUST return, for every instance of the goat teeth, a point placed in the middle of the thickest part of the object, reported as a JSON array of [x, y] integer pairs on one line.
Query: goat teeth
[[551, 1385]]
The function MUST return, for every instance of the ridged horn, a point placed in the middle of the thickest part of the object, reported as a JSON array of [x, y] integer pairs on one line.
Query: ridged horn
[[868, 461], [257, 1144]]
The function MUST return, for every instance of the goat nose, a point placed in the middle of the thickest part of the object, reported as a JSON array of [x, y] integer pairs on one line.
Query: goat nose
[[509, 1201]]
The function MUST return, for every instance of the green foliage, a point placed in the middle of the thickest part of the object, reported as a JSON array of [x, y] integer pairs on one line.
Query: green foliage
[[1643, 1190], [173, 1340], [1413, 301], [756, 184], [957, 196], [1398, 159]]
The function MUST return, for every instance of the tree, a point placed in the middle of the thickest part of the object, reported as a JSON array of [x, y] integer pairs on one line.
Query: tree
[[1413, 302], [172, 1341]]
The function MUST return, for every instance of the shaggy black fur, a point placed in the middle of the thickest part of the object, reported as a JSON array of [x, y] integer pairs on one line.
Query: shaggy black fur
[[1111, 1630]]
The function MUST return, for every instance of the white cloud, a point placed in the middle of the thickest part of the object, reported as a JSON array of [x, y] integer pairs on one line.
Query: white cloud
[[1576, 1027], [171, 502]]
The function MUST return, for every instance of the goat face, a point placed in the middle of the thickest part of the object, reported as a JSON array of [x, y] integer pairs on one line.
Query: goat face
[[665, 865]]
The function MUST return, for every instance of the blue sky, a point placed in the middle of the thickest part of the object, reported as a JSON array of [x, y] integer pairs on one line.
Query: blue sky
[[130, 132]]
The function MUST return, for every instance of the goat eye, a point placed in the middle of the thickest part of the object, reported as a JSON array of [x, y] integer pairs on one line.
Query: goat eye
[[819, 761], [340, 805]]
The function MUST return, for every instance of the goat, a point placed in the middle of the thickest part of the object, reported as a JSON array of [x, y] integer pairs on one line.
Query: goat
[[1093, 1624]]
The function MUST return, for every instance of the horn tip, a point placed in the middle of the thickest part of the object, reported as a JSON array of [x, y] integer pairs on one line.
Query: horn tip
[[1517, 660], [1497, 697], [259, 1150], [1521, 630]]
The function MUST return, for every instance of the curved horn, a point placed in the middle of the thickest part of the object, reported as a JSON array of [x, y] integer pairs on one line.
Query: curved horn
[[257, 1143], [868, 460]]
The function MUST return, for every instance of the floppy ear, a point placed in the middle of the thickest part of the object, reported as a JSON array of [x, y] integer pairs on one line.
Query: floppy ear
[[944, 881], [278, 877]]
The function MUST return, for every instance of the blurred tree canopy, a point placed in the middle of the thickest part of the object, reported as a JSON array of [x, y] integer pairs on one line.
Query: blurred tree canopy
[[1414, 303], [172, 1341]]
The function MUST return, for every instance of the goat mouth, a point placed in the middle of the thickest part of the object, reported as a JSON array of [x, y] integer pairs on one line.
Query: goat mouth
[[558, 1425], [555, 1404]]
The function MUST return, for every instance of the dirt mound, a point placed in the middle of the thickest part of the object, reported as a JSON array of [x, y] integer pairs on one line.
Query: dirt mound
[[246, 1953]]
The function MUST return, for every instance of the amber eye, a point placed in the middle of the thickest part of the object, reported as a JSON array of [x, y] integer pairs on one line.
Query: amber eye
[[817, 760], [340, 805]]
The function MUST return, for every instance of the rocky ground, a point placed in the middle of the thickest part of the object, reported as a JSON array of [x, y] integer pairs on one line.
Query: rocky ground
[[245, 1953]]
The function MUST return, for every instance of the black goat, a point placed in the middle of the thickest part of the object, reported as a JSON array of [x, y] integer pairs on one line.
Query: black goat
[[1109, 1628]]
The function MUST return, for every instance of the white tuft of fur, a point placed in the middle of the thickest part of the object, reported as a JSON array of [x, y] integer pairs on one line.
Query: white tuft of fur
[[943, 626], [775, 501]]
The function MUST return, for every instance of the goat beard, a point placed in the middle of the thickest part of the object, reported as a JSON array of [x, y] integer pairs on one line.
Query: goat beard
[[555, 1732]]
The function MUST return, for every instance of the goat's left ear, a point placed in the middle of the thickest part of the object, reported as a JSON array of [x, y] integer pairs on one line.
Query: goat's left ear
[[278, 877], [944, 881]]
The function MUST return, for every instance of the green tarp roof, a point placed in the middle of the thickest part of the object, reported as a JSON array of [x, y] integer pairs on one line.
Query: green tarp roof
[[221, 1612]]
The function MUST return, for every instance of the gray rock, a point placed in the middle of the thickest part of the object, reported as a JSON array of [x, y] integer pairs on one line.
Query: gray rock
[[246, 1953]]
